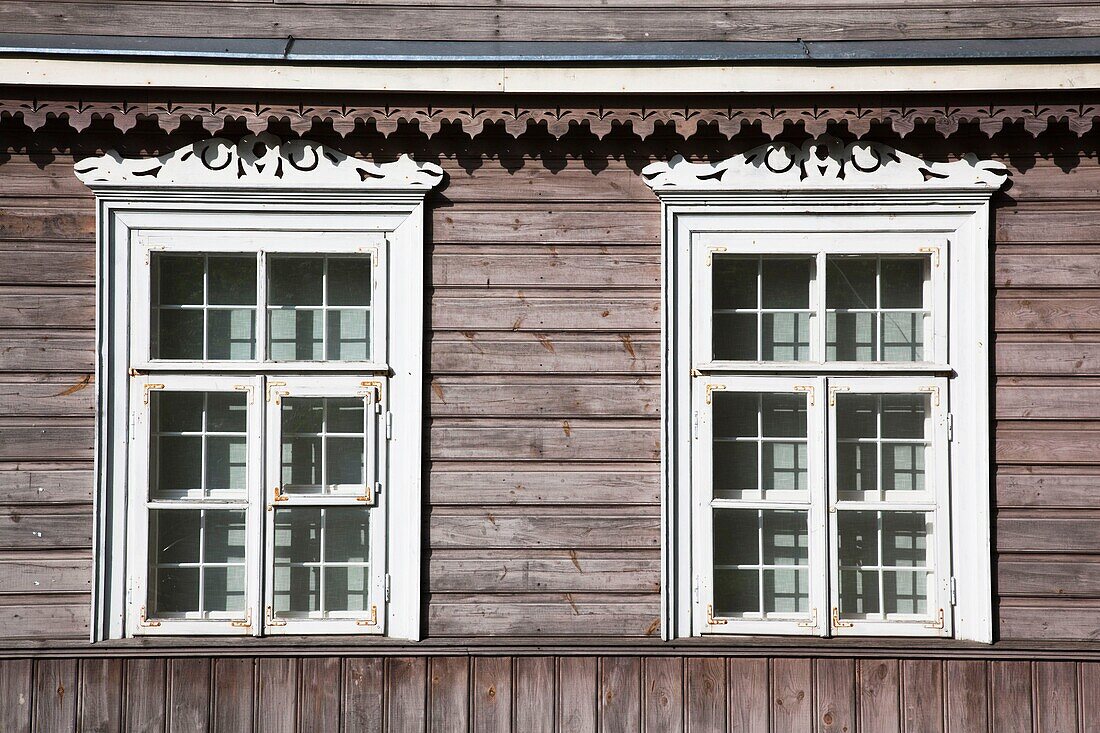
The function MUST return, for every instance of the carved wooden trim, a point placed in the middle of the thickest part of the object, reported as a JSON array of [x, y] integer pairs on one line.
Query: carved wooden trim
[[169, 115], [824, 162], [261, 160]]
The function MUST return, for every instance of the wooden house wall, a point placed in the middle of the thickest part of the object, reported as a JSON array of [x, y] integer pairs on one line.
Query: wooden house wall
[[560, 694], [520, 20], [542, 497]]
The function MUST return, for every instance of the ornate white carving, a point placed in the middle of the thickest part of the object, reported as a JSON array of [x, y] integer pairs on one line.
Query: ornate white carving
[[823, 163], [258, 161]]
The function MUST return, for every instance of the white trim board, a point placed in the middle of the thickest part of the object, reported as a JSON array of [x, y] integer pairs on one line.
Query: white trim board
[[557, 79]]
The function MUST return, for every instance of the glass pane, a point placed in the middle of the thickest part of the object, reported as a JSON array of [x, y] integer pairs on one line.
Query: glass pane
[[786, 336], [736, 592], [226, 464], [345, 414], [733, 337], [736, 466], [177, 334], [224, 588], [303, 414], [905, 591], [301, 462], [786, 538], [784, 466], [297, 541], [786, 283], [902, 282], [736, 537], [177, 463], [851, 337], [296, 335], [175, 590], [858, 538], [857, 467], [176, 412], [903, 466], [783, 415], [232, 334], [904, 539], [232, 281], [349, 281], [904, 415], [903, 336], [786, 591], [174, 535], [346, 588], [226, 412], [856, 415], [735, 414], [224, 536], [858, 591], [346, 535], [297, 589], [734, 281], [295, 280], [348, 335], [850, 282], [345, 461], [177, 280]]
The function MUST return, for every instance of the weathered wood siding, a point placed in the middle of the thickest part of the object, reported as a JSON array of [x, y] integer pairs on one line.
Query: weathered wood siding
[[615, 694], [542, 496], [521, 20]]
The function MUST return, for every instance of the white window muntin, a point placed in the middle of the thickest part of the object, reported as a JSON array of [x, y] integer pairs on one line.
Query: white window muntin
[[812, 622], [706, 246], [370, 497], [289, 243], [141, 502], [934, 502]]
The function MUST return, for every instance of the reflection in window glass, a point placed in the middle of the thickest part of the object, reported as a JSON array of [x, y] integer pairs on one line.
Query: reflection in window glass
[[759, 443], [321, 560], [196, 562], [760, 562], [323, 441], [875, 308], [881, 442], [761, 308], [885, 567], [319, 308], [199, 444]]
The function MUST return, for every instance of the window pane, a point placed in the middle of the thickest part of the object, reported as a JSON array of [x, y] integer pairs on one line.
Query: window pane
[[295, 280], [177, 463], [349, 281], [226, 412], [904, 415], [786, 282], [786, 538], [177, 280], [346, 588], [734, 281], [226, 464], [176, 412], [904, 539], [232, 281], [783, 415], [174, 535], [303, 414], [345, 414], [232, 334], [857, 467], [224, 588], [313, 458], [301, 463], [346, 535], [786, 336], [177, 334], [784, 466], [734, 336], [349, 335], [786, 591], [736, 466], [735, 414], [903, 467], [224, 536], [314, 545], [296, 335], [736, 537], [858, 538], [906, 591], [174, 590], [850, 282], [903, 336], [736, 592], [345, 461], [858, 591], [851, 337], [902, 282], [196, 560]]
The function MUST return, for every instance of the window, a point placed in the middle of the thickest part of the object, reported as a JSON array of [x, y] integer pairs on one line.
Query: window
[[826, 418], [260, 400]]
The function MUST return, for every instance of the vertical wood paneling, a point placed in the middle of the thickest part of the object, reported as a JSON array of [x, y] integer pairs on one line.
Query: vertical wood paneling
[[449, 695], [534, 690], [101, 696], [1088, 675], [406, 698], [664, 694], [234, 693], [879, 701], [1055, 697], [835, 695], [577, 693], [1010, 683], [705, 693], [319, 694], [750, 695], [966, 696], [363, 694], [922, 695], [276, 694], [792, 684], [55, 694], [620, 694], [145, 695], [189, 692], [15, 695], [492, 694]]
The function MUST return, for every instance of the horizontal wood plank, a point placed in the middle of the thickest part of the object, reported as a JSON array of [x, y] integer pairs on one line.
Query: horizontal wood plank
[[47, 395], [528, 571], [75, 310], [1045, 267], [564, 224], [1047, 223], [564, 440], [556, 529], [47, 352], [563, 614], [24, 266], [471, 352], [45, 575], [1056, 442], [576, 397], [47, 620], [1043, 621], [1040, 311], [20, 485], [554, 483], [1040, 533], [1061, 576], [45, 529], [45, 440], [547, 267], [570, 311]]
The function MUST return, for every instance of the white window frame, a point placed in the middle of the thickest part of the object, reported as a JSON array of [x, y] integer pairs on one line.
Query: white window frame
[[826, 187], [257, 187]]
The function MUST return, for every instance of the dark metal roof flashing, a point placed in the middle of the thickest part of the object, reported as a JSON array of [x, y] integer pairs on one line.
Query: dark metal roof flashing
[[303, 51]]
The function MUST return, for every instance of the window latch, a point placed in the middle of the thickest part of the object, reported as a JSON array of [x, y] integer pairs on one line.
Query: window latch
[[954, 593], [389, 425], [950, 426]]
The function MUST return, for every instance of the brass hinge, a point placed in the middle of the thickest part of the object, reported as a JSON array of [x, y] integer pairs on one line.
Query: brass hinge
[[713, 388], [832, 394], [144, 621], [812, 623], [279, 495], [372, 621], [371, 386], [808, 389], [274, 394], [710, 254], [935, 252], [372, 490], [271, 620], [711, 620], [934, 391], [938, 623], [838, 623], [245, 623], [245, 388], [149, 387]]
